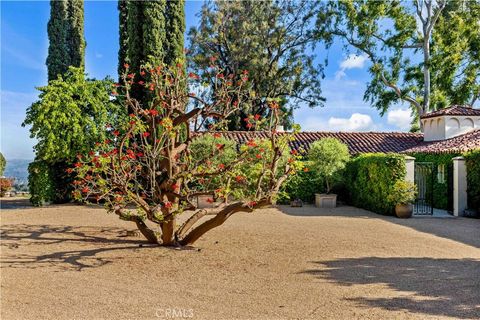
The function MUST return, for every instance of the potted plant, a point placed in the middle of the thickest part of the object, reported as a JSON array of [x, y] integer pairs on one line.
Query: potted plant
[[402, 196], [328, 158]]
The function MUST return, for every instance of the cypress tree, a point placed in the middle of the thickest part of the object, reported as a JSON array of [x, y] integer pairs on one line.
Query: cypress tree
[[150, 32], [134, 48], [57, 59], [154, 32], [66, 37], [75, 37], [123, 39], [66, 48], [175, 24]]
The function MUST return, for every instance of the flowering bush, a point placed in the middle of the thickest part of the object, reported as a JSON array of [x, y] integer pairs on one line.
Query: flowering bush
[[5, 185], [403, 192], [161, 158]]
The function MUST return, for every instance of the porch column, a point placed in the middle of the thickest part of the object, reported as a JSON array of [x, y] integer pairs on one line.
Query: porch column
[[459, 186], [410, 166]]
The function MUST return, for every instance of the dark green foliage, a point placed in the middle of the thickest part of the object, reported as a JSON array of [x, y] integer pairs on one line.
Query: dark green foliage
[[66, 37], [472, 160], [440, 189], [175, 25], [57, 60], [370, 179], [123, 38], [154, 32], [151, 32], [302, 185], [40, 182], [62, 182], [272, 41], [75, 37], [3, 164]]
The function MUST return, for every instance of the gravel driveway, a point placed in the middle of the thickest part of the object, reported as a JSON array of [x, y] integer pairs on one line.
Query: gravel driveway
[[65, 262]]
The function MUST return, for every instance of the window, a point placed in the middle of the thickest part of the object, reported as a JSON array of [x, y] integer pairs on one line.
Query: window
[[441, 173]]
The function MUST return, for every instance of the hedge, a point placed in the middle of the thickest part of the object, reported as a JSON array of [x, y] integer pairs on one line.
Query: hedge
[[40, 183], [440, 190], [302, 185], [472, 161], [370, 178]]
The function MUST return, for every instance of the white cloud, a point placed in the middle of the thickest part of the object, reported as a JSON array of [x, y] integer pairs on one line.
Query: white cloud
[[98, 55], [401, 118], [357, 122], [352, 61]]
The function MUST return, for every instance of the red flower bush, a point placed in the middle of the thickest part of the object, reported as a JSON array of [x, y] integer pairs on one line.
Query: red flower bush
[[161, 158], [5, 185]]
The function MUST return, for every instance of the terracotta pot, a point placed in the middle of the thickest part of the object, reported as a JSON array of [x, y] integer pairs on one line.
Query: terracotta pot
[[404, 210]]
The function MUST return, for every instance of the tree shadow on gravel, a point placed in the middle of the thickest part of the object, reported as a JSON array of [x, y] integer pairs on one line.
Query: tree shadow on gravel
[[49, 242], [15, 203], [438, 287]]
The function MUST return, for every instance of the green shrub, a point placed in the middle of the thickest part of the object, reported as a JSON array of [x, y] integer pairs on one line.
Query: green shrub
[[403, 192], [439, 189], [472, 161], [328, 158], [370, 179], [3, 164], [40, 183], [302, 185]]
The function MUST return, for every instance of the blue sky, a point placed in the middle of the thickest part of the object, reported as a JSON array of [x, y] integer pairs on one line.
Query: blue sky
[[24, 46]]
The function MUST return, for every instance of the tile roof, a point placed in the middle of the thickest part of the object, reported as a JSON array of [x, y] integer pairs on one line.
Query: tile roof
[[365, 142], [459, 144], [357, 142], [455, 110]]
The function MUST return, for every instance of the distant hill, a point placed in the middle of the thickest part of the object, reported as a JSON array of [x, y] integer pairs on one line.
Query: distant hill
[[18, 169]]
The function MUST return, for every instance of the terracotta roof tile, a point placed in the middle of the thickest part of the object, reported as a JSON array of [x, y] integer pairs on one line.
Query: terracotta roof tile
[[465, 142], [364, 142], [357, 142], [455, 110]]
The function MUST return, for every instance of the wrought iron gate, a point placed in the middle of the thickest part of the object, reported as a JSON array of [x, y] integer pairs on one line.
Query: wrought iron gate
[[424, 182]]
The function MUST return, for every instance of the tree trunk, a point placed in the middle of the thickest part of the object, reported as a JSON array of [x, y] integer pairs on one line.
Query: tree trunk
[[426, 72], [147, 232], [167, 232], [219, 219]]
